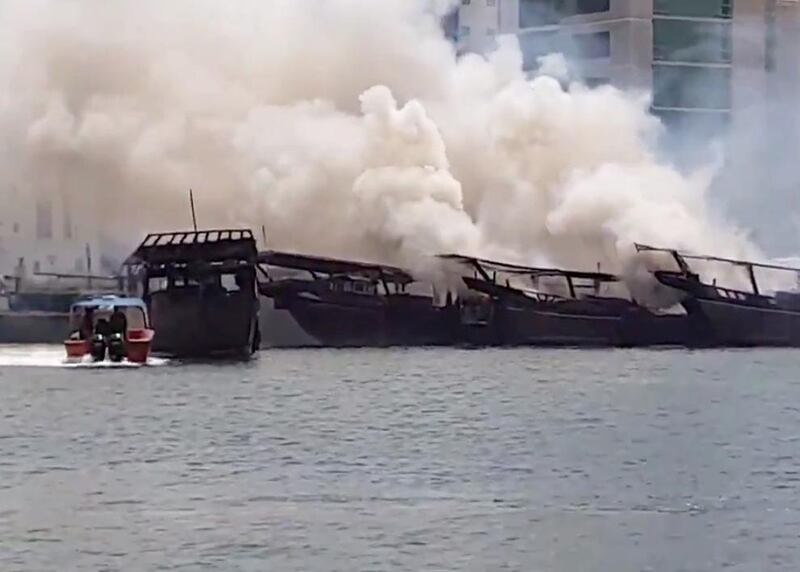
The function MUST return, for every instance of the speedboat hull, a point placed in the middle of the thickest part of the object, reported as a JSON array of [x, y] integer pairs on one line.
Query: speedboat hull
[[136, 348]]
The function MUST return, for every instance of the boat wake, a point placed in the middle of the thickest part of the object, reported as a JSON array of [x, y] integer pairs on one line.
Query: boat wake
[[24, 355]]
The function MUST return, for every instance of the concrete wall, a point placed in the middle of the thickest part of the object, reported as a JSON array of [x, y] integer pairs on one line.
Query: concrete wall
[[483, 22], [72, 227]]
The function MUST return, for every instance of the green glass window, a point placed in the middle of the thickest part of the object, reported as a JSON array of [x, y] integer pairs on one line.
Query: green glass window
[[691, 41], [696, 123], [537, 44], [591, 6], [534, 13], [694, 8], [691, 87], [595, 45]]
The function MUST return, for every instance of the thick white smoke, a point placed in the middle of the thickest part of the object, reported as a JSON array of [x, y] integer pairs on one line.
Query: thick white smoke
[[345, 127]]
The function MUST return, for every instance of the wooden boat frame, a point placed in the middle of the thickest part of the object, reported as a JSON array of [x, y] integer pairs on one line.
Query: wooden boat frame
[[189, 259]]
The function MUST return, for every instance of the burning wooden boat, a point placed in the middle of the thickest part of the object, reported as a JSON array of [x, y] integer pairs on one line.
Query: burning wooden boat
[[200, 290], [513, 314], [343, 303], [733, 317]]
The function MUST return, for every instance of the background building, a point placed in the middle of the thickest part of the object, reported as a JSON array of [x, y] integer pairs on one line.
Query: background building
[[726, 71], [42, 230], [702, 59]]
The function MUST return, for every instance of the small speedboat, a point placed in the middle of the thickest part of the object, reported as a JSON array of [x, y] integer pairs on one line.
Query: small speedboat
[[92, 336]]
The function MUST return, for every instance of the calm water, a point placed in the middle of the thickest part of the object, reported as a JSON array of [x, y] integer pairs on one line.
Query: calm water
[[404, 460]]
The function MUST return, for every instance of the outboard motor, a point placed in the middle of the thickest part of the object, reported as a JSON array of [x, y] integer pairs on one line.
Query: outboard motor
[[97, 347], [116, 347]]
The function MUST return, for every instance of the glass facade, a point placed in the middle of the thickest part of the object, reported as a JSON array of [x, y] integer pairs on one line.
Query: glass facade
[[691, 87], [537, 44], [692, 57], [591, 6], [697, 124], [691, 41], [592, 46], [533, 13], [694, 8]]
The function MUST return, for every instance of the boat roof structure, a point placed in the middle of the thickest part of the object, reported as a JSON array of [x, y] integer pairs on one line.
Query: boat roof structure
[[334, 267], [750, 266], [483, 267], [186, 247], [109, 301], [707, 258]]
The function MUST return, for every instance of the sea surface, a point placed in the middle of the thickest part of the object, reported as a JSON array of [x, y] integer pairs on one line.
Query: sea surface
[[412, 460]]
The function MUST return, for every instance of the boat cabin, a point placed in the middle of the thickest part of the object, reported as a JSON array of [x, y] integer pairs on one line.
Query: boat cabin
[[102, 307], [200, 289]]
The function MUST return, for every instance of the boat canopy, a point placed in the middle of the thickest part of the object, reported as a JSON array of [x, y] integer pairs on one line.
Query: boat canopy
[[333, 267], [195, 246], [109, 301], [744, 263], [484, 266], [681, 259]]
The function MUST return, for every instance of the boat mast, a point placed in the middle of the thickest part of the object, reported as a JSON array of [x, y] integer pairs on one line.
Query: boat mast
[[682, 264], [571, 285], [382, 278], [480, 270], [753, 281], [194, 215]]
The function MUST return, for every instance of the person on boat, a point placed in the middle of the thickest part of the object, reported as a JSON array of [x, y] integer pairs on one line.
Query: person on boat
[[87, 325], [102, 328], [118, 323]]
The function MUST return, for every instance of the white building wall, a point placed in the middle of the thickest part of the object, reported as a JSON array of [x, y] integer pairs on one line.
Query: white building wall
[[479, 23], [55, 242]]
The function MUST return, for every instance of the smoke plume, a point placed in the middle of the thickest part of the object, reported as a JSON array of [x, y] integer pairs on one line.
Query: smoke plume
[[344, 127]]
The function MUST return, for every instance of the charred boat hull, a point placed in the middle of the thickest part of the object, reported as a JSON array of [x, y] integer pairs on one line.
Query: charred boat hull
[[640, 327], [726, 318], [545, 327], [364, 321], [220, 325], [553, 326], [515, 319], [734, 325]]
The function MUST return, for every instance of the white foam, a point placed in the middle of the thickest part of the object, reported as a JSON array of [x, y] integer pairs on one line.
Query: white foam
[[24, 355]]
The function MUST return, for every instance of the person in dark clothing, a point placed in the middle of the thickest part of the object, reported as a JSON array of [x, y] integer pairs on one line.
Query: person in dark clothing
[[87, 324], [119, 322], [102, 328]]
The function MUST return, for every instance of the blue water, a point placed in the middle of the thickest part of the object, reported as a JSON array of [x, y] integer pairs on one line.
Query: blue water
[[404, 460]]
